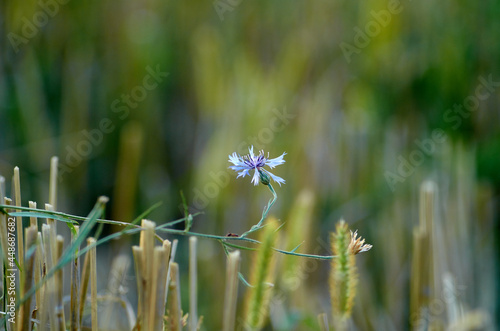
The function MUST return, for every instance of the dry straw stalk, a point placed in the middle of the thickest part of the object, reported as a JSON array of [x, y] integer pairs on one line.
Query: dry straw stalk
[[24, 312], [422, 280], [54, 161], [146, 242], [61, 321], [39, 271], [49, 287], [193, 314], [323, 322], [231, 294], [84, 281], [93, 284], [137, 252], [19, 220], [74, 311], [175, 316]]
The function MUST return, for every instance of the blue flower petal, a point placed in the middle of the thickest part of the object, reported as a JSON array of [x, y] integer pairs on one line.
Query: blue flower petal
[[238, 168], [256, 178], [276, 161], [251, 152], [277, 179], [243, 173], [236, 160]]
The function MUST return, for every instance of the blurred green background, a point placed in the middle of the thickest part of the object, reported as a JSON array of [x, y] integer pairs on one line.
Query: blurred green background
[[143, 99]]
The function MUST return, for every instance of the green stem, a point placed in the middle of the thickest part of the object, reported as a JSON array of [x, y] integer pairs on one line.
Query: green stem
[[131, 228], [264, 213], [224, 239]]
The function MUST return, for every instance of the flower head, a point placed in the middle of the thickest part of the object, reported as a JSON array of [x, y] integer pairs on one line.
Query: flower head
[[357, 245], [243, 165]]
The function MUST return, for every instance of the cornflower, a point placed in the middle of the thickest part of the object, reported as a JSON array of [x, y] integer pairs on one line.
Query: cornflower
[[243, 165]]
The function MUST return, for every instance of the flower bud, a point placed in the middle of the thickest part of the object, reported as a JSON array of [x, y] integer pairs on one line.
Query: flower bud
[[264, 178]]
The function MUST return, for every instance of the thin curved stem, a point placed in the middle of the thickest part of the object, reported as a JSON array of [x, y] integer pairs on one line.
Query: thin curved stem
[[224, 241], [264, 213]]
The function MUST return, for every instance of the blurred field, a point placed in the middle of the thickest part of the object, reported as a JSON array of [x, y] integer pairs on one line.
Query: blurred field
[[143, 99]]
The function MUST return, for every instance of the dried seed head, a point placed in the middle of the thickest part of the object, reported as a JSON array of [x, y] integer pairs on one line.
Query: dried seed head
[[357, 245]]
